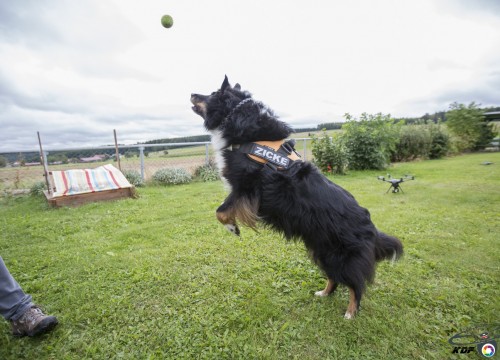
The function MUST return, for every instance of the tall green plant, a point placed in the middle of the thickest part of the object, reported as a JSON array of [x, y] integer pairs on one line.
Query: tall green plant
[[370, 140], [207, 172], [329, 153]]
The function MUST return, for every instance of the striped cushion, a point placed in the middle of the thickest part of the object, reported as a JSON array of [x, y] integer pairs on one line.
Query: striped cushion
[[81, 181]]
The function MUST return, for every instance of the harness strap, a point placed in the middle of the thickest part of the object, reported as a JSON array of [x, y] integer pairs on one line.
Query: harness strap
[[280, 154]]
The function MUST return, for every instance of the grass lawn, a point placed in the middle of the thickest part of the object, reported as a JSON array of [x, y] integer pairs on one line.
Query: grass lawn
[[158, 277]]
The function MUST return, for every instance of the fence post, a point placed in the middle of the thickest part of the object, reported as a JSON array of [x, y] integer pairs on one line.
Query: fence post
[[207, 159], [117, 152], [141, 155], [45, 162], [46, 171], [43, 155]]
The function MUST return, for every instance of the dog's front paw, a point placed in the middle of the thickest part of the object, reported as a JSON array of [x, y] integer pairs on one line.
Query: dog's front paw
[[233, 229], [321, 293]]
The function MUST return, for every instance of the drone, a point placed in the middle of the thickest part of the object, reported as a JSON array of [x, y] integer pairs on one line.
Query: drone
[[395, 183]]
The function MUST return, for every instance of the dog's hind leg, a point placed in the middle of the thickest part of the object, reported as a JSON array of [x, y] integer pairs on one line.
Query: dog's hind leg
[[353, 307], [331, 286]]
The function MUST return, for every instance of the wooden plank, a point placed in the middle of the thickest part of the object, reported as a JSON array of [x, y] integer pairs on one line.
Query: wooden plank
[[80, 199]]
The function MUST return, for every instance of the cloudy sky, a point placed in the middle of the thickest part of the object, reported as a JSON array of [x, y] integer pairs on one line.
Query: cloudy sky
[[76, 70]]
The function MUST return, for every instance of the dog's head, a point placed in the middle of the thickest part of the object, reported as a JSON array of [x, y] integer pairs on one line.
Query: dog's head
[[214, 108]]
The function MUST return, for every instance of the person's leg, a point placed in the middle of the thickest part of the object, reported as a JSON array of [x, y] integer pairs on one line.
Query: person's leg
[[15, 306], [13, 301]]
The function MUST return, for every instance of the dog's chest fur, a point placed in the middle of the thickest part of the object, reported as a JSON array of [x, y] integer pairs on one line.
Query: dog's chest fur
[[219, 144]]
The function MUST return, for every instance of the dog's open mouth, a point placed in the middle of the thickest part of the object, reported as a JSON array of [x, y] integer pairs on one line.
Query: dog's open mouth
[[196, 109], [199, 106]]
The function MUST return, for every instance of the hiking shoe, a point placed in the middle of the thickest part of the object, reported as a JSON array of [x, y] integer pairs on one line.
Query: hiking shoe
[[33, 322]]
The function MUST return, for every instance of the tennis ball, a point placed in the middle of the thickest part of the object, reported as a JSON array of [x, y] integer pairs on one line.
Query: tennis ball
[[167, 21]]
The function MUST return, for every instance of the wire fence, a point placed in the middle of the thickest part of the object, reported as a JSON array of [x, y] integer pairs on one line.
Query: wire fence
[[23, 169]]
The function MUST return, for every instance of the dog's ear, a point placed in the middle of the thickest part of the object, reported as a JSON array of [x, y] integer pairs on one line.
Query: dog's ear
[[225, 84], [237, 87]]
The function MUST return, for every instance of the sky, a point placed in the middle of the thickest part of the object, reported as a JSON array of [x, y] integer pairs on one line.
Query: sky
[[74, 71]]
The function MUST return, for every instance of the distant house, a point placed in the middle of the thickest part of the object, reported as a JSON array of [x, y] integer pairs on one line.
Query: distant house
[[492, 116], [93, 158], [21, 163]]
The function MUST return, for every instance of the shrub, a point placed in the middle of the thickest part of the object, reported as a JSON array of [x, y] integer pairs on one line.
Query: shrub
[[414, 142], [369, 141], [440, 142], [130, 154], [134, 177], [3, 161], [207, 172], [329, 153], [38, 188], [172, 176]]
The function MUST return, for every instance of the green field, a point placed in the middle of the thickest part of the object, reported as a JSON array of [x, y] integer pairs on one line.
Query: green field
[[159, 278]]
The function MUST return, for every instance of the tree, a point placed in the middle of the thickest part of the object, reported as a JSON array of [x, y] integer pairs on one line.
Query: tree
[[21, 159], [56, 158], [3, 161], [369, 141], [330, 126], [468, 125]]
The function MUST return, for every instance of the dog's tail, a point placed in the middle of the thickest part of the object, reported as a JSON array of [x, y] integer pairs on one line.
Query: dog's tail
[[387, 247]]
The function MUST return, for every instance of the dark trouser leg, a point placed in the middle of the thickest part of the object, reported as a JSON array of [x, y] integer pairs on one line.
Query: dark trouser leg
[[13, 301]]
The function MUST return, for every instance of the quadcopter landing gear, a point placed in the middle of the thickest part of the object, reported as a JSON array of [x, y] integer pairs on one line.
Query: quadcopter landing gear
[[395, 188]]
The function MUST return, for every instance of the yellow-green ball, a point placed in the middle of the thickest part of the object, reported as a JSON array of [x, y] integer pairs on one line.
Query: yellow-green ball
[[167, 21]]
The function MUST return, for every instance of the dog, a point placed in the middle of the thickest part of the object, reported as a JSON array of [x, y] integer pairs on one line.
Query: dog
[[269, 183]]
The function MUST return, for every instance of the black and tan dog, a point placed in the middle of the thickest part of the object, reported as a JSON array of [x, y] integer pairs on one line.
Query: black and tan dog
[[269, 183]]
